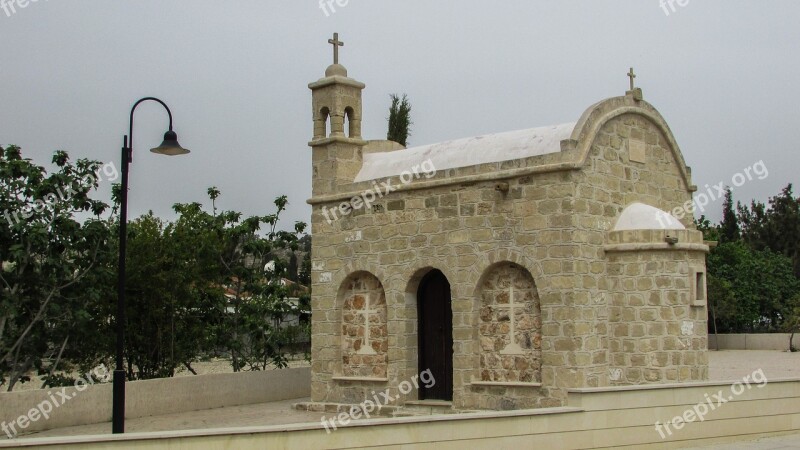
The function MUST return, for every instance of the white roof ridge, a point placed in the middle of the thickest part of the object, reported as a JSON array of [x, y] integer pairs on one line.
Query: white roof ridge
[[470, 151]]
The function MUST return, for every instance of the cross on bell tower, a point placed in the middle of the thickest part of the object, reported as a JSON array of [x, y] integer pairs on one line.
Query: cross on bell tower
[[336, 44]]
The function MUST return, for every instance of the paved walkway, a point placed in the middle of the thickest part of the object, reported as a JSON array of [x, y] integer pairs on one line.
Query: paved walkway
[[723, 365], [791, 442], [736, 364]]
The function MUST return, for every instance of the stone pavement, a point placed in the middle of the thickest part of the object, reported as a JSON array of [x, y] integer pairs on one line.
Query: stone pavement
[[736, 364], [791, 442], [724, 365]]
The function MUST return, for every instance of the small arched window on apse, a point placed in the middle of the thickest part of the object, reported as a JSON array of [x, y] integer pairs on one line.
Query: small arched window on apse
[[348, 120], [325, 117]]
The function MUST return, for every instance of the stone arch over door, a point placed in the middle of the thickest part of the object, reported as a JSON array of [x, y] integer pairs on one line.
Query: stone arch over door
[[365, 341], [509, 328]]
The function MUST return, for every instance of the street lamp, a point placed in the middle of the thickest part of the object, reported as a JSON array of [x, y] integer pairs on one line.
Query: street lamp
[[169, 147]]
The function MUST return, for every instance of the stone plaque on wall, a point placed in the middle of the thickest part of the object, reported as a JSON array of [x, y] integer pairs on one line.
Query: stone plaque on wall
[[637, 151]]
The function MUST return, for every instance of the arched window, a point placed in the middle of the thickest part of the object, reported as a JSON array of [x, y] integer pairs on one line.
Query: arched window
[[509, 325], [325, 118], [348, 120], [365, 340]]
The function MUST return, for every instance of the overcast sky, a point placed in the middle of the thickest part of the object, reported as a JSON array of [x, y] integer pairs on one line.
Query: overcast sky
[[723, 73]]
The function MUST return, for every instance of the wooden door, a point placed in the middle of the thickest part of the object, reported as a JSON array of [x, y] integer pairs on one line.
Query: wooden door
[[436, 335]]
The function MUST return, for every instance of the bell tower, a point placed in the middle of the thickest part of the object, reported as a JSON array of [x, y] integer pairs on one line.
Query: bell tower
[[337, 141]]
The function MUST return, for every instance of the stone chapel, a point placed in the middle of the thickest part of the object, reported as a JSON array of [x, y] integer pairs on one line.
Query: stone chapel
[[530, 263]]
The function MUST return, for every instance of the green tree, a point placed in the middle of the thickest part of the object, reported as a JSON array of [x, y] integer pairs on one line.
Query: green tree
[[46, 253], [776, 227], [710, 231], [253, 331], [749, 290], [793, 322], [304, 274], [292, 269], [171, 292], [729, 227], [399, 120], [198, 286]]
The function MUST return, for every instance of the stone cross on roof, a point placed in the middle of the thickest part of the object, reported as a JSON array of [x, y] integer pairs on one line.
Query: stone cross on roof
[[632, 75], [336, 44]]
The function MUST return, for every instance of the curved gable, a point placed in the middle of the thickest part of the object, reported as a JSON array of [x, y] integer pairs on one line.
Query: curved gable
[[598, 115]]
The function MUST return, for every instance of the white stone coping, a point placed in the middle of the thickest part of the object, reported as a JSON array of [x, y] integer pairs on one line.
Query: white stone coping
[[648, 387], [337, 139], [431, 403], [55, 441], [435, 182], [336, 79], [368, 379], [662, 246], [522, 384]]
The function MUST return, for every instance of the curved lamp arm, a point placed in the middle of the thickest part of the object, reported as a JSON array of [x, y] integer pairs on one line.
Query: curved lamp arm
[[129, 143]]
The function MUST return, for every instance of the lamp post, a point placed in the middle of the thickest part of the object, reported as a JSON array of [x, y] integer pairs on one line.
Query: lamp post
[[170, 147]]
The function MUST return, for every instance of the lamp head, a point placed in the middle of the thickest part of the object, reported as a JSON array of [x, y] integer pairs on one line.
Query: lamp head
[[170, 146]]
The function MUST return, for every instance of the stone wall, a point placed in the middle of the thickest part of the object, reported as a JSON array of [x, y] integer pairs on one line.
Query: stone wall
[[657, 328], [613, 179]]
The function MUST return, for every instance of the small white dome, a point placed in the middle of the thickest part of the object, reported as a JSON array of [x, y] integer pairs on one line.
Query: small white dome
[[639, 216]]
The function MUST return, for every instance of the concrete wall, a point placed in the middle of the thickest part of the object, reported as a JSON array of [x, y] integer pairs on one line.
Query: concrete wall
[[776, 341], [156, 397], [615, 417]]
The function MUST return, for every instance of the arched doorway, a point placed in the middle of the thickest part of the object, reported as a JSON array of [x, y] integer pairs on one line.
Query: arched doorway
[[435, 317]]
